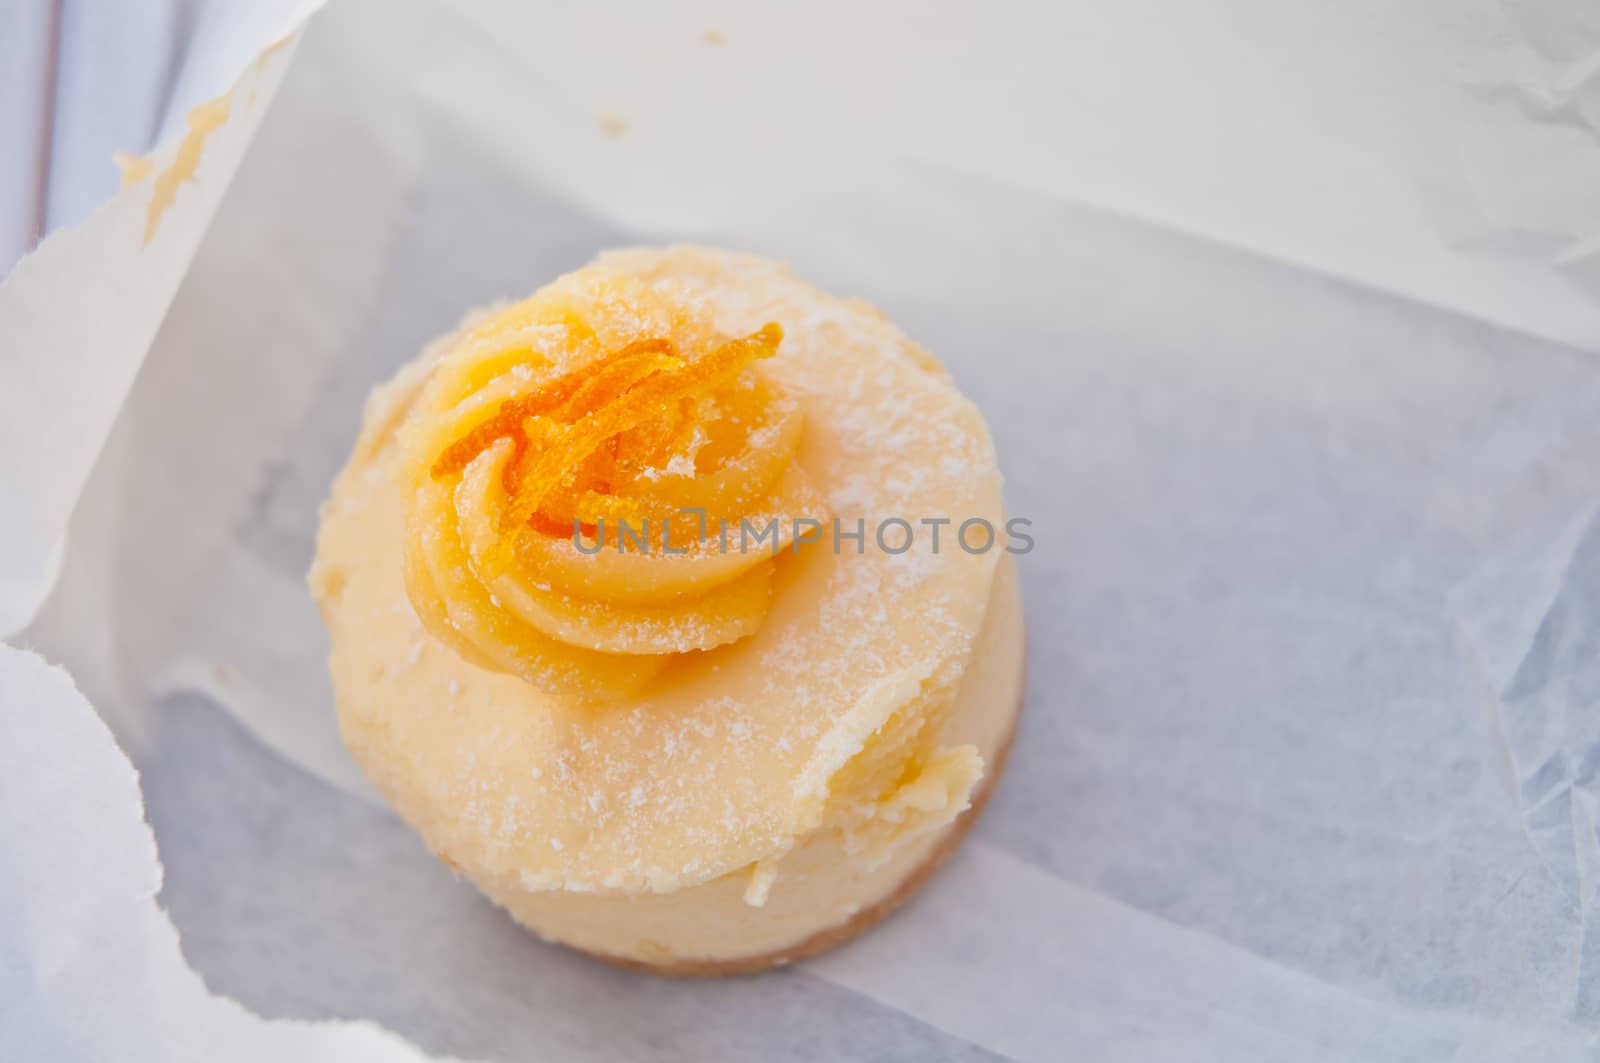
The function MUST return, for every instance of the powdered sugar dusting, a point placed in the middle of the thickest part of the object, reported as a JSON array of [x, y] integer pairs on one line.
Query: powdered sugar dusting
[[696, 779]]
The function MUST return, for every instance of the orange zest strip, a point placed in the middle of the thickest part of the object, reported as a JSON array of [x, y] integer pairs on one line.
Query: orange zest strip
[[627, 367], [602, 401]]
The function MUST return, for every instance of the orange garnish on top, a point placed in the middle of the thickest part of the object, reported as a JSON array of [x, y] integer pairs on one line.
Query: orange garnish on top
[[567, 497]]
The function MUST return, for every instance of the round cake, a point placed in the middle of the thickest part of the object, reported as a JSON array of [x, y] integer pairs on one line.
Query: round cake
[[673, 607]]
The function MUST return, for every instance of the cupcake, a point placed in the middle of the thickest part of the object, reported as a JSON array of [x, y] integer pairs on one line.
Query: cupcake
[[673, 607]]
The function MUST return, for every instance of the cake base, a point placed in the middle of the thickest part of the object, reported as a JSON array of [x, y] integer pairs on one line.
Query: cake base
[[834, 936]]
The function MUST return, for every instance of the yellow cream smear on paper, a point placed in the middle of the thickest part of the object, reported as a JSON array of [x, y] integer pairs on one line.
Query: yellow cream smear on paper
[[633, 720], [203, 121], [133, 168], [570, 468]]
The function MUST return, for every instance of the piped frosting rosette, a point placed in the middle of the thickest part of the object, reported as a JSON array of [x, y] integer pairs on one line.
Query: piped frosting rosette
[[598, 481]]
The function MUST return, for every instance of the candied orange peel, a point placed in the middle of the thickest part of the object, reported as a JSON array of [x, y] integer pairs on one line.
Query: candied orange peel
[[570, 465]]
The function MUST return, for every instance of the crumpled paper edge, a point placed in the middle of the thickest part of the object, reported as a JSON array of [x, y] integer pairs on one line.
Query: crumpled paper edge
[[121, 287], [82, 858], [98, 960]]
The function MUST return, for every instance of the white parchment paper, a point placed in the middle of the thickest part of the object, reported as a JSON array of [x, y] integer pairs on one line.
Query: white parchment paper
[[1308, 770]]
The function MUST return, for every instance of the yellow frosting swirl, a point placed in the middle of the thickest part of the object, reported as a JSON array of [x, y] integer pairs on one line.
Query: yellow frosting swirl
[[581, 471]]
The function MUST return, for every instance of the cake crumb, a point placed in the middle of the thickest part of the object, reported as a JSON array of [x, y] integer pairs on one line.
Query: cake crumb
[[762, 876], [713, 39], [611, 123]]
